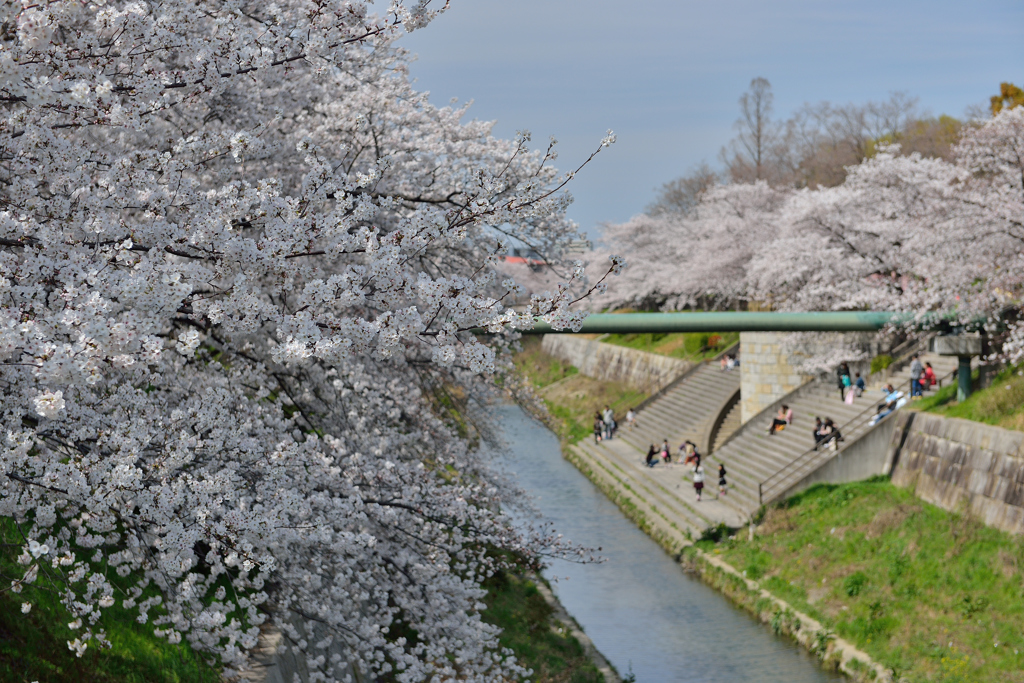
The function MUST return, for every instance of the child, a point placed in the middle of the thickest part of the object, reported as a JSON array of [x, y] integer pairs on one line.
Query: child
[[721, 479]]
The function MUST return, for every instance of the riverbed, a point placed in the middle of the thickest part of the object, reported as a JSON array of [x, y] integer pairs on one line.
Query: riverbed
[[638, 606]]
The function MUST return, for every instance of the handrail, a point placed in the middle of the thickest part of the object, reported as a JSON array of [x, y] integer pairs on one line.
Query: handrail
[[914, 346], [801, 460]]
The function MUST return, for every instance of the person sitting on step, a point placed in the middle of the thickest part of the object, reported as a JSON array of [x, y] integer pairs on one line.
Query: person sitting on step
[[780, 421]]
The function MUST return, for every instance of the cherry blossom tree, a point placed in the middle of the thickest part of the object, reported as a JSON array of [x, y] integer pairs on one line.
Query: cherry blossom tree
[[698, 259], [901, 233], [240, 263]]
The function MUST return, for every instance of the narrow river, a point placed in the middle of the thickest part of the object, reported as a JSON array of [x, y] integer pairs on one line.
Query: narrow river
[[641, 610]]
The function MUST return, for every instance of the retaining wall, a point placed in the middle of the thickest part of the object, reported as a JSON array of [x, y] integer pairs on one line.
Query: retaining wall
[[955, 463], [864, 458], [647, 372]]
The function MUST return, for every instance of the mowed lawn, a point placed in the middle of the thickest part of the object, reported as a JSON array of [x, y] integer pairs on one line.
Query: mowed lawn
[[934, 595]]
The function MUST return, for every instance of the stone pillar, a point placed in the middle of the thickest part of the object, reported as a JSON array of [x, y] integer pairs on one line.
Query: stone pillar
[[765, 374]]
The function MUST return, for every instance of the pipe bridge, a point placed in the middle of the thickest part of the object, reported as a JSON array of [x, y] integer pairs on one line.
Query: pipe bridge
[[730, 321]]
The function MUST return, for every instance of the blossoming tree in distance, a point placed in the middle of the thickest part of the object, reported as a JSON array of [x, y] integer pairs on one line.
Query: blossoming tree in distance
[[237, 252], [900, 233]]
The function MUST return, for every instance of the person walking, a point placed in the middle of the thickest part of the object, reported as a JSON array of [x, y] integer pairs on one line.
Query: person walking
[[598, 427], [722, 484], [630, 419], [916, 372], [666, 452], [839, 381], [698, 480]]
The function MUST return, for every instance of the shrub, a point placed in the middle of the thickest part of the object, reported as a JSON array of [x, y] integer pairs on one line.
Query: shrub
[[879, 363]]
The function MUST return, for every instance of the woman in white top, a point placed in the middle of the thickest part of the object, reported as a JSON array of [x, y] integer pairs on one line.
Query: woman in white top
[[631, 419], [698, 480]]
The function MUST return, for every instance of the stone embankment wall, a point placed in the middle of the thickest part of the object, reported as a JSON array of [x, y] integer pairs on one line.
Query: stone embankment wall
[[647, 372], [766, 375], [959, 464]]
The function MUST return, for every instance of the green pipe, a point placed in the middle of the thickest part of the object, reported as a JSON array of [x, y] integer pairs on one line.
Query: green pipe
[[633, 323]]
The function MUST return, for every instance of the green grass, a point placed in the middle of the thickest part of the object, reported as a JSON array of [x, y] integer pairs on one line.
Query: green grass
[[1001, 403], [571, 398], [529, 630], [695, 346], [33, 646], [934, 595], [540, 368]]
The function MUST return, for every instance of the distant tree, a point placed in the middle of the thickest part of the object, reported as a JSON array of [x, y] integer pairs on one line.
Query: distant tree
[[749, 156], [1009, 96], [822, 140], [815, 146], [679, 196], [930, 137]]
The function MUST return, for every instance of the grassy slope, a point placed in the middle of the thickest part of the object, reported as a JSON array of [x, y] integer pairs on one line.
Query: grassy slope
[[571, 398], [525, 617], [934, 595], [33, 646], [689, 345], [1000, 404]]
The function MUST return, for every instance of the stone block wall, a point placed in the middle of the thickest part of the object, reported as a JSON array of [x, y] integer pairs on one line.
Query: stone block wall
[[647, 372], [958, 464], [766, 373]]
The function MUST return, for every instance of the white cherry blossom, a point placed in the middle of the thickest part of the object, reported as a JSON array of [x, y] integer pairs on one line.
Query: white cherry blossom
[[243, 266]]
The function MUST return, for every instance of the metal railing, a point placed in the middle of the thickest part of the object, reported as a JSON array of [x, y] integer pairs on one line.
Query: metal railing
[[805, 463], [791, 474]]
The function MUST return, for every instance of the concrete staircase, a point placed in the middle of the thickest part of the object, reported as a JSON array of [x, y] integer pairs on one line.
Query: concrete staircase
[[688, 410], [751, 456], [703, 408], [730, 424]]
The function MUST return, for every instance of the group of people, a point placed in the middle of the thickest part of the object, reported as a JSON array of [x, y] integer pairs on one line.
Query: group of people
[[690, 456], [605, 424], [921, 377], [826, 434], [729, 361], [849, 387]]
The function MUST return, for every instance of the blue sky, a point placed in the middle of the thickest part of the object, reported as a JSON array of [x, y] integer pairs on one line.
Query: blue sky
[[666, 76]]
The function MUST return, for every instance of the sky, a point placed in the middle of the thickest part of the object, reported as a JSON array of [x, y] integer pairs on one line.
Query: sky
[[666, 75]]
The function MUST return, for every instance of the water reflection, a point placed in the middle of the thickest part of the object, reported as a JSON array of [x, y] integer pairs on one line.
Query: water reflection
[[639, 607]]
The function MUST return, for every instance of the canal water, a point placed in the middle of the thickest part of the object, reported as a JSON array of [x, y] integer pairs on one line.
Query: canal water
[[639, 607]]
